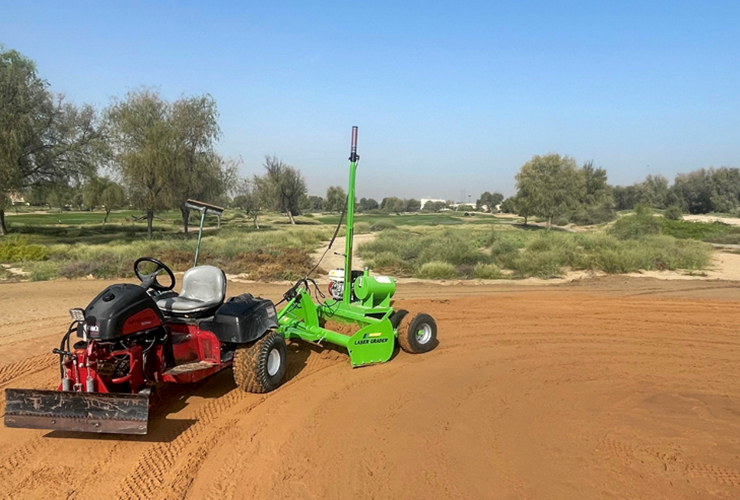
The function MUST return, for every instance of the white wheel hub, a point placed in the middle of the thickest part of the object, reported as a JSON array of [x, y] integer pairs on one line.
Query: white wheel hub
[[424, 333], [273, 362]]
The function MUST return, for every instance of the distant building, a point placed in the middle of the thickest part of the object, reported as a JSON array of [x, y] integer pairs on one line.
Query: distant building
[[17, 198]]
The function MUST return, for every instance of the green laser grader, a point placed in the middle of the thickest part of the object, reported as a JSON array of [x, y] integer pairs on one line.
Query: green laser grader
[[361, 305], [133, 339]]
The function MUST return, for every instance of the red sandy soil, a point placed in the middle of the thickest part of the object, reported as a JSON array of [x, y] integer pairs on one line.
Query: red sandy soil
[[605, 388]]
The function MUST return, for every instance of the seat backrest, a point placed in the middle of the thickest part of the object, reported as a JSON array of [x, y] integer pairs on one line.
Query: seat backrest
[[204, 283]]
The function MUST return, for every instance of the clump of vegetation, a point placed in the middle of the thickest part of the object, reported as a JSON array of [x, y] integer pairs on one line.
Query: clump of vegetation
[[685, 229], [639, 225], [673, 213], [362, 228], [275, 264], [227, 249], [17, 249], [407, 252], [487, 272], [593, 214], [382, 226], [437, 270], [43, 271], [542, 254]]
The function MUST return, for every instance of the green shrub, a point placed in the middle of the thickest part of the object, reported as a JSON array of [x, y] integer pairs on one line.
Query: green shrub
[[673, 213], [725, 239], [17, 249], [543, 264], [43, 271], [385, 260], [506, 248], [641, 224], [362, 228], [561, 221], [487, 239], [452, 247], [589, 216], [390, 263], [656, 253], [487, 272], [437, 270], [685, 229]]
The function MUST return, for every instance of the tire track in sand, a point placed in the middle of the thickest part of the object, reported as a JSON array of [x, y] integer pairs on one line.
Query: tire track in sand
[[151, 471], [642, 456], [26, 367]]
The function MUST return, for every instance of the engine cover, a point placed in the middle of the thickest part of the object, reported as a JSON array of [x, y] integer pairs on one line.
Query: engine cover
[[120, 310], [242, 319]]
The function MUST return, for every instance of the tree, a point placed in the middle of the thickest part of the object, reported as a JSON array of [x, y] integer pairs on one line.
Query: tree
[[507, 206], [392, 205], [43, 139], [548, 186], [523, 207], [248, 199], [596, 189], [489, 200], [433, 206], [304, 203], [725, 188], [141, 139], [626, 197], [317, 203], [103, 192], [655, 191], [282, 187], [200, 173], [38, 194], [413, 205], [60, 196], [368, 204], [335, 199]]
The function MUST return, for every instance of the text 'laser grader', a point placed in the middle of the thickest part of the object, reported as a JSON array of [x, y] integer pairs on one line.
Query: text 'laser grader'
[[136, 338]]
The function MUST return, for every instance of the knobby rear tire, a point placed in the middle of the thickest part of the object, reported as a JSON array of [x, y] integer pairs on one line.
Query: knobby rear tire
[[417, 334], [253, 364]]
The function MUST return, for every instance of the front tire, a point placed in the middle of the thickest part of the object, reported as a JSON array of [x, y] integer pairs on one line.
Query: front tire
[[260, 367], [417, 334]]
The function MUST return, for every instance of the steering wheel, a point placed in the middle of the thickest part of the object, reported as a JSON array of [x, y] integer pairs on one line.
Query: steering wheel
[[150, 280]]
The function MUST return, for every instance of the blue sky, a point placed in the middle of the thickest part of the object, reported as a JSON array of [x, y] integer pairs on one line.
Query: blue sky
[[449, 96]]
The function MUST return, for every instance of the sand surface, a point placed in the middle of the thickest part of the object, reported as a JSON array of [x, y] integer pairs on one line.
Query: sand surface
[[604, 388]]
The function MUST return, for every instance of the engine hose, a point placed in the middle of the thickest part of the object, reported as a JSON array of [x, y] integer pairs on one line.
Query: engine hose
[[65, 340]]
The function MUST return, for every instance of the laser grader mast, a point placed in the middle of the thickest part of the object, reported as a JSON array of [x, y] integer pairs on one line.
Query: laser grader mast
[[349, 236]]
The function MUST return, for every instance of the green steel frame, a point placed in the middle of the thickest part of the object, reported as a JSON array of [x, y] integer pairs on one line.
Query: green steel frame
[[372, 337]]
